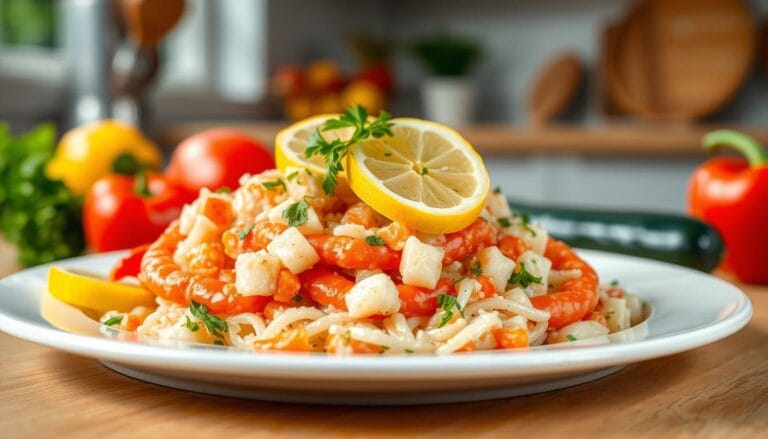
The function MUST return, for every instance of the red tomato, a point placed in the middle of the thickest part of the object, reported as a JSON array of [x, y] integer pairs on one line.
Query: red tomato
[[119, 212], [379, 75], [217, 158]]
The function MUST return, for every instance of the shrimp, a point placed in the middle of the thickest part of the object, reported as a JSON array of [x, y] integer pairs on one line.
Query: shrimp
[[164, 278], [510, 338], [326, 287], [354, 253], [575, 298], [255, 237], [418, 301], [512, 247], [207, 259], [459, 245], [362, 214]]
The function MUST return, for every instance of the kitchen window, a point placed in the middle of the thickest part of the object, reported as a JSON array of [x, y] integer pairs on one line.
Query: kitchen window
[[209, 57]]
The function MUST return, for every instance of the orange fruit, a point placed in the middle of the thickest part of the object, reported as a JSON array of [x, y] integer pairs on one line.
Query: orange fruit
[[364, 93], [324, 76]]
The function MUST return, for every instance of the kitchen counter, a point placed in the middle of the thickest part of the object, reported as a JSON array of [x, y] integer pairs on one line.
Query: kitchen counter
[[634, 140], [718, 390]]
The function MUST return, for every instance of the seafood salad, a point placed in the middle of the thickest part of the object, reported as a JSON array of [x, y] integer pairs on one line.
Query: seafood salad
[[283, 263]]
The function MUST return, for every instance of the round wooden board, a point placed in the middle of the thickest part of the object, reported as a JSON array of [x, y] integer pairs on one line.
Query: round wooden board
[[554, 87], [680, 59]]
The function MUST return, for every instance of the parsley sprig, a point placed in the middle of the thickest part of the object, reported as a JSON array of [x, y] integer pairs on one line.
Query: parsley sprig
[[524, 277], [214, 324], [333, 151], [113, 321], [374, 240], [296, 213], [448, 303]]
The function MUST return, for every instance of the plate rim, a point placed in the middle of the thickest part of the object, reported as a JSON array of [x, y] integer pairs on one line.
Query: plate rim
[[411, 367]]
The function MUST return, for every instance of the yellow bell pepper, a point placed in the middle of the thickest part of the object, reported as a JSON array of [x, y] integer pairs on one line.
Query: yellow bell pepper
[[91, 151]]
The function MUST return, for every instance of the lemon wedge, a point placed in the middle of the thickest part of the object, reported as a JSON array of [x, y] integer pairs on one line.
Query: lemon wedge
[[291, 142], [89, 292], [425, 175]]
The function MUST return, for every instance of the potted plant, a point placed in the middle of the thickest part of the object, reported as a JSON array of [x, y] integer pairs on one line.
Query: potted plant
[[448, 93]]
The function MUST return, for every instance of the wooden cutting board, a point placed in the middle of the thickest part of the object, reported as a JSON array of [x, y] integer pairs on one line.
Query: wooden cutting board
[[554, 87], [680, 59]]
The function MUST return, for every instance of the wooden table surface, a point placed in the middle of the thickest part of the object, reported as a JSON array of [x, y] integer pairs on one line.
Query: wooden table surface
[[715, 391]]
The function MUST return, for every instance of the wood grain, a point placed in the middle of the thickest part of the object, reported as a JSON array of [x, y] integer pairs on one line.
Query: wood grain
[[715, 391], [637, 140]]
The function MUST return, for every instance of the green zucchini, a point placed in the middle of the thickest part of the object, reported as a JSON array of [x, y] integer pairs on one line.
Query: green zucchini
[[672, 238]]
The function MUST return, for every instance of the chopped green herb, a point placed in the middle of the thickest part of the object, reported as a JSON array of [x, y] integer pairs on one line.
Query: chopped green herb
[[374, 240], [214, 324], [243, 233], [356, 116], [384, 348], [292, 175], [309, 173], [476, 269], [571, 338], [447, 303], [524, 277], [297, 298], [459, 280], [192, 326], [497, 190], [525, 221], [615, 283], [224, 190], [424, 171], [387, 154], [113, 320], [408, 351], [296, 213], [218, 343], [273, 185], [503, 221]]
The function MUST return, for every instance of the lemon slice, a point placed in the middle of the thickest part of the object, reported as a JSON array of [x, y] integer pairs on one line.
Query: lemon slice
[[425, 175], [88, 291], [291, 142]]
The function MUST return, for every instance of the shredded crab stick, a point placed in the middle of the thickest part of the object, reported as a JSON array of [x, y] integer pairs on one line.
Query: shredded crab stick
[[575, 298]]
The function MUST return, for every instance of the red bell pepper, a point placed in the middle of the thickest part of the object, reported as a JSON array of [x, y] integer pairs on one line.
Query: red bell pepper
[[129, 265], [121, 211], [731, 194]]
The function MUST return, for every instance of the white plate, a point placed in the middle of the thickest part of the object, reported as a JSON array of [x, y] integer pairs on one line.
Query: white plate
[[690, 309]]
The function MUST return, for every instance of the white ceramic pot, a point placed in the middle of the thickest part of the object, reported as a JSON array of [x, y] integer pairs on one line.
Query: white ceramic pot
[[450, 101]]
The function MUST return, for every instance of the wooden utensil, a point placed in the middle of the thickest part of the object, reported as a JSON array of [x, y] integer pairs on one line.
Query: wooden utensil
[[150, 20], [554, 87], [602, 96], [680, 59]]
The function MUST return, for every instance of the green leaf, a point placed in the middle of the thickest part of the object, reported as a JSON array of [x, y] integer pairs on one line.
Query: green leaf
[[113, 321], [569, 337], [192, 326], [296, 213], [447, 303], [244, 233], [523, 277], [476, 269], [273, 185], [214, 324], [374, 240], [355, 116]]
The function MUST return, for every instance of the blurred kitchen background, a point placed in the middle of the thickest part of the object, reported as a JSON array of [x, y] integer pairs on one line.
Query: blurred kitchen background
[[582, 102]]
